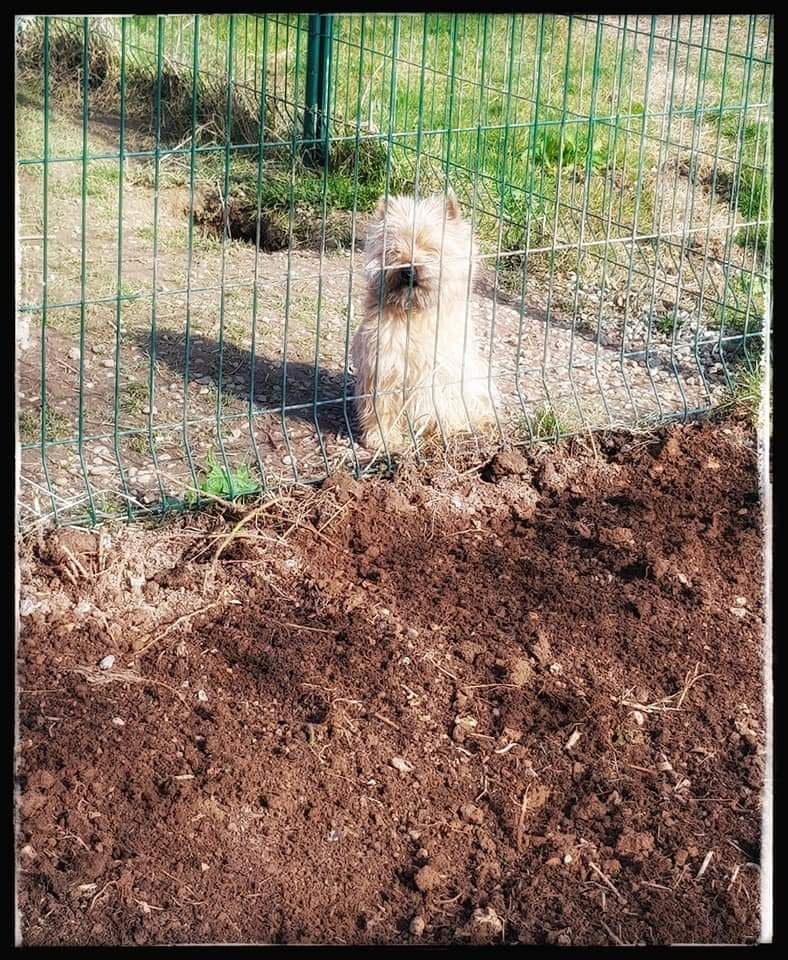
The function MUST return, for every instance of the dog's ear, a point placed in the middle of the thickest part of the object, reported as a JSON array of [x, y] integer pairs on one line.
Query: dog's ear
[[453, 211]]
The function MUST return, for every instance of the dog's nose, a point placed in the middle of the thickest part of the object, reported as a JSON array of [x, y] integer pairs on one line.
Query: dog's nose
[[407, 276]]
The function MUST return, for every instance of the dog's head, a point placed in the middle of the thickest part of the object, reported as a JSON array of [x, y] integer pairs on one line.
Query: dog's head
[[417, 248]]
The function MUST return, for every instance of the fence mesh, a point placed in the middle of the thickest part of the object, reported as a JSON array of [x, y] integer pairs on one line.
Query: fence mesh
[[192, 198]]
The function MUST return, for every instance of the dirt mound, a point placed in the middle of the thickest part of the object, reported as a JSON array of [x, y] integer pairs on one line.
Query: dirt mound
[[518, 703]]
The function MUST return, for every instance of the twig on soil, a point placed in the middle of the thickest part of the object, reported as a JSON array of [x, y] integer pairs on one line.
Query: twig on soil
[[67, 571], [521, 818], [486, 686], [387, 721], [664, 704], [705, 865], [251, 515], [606, 879], [613, 937], [77, 565], [442, 669], [300, 626], [96, 675], [176, 623], [111, 883], [334, 515]]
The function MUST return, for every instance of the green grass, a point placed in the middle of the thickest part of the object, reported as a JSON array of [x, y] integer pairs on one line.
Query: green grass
[[140, 443], [745, 392], [215, 481], [56, 426], [545, 423], [134, 398], [531, 161], [741, 309], [748, 140]]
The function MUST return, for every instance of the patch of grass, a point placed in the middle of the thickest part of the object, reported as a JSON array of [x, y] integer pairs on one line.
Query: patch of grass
[[56, 425], [227, 484], [667, 323], [134, 398], [746, 391], [140, 443], [545, 423], [292, 197], [741, 308], [750, 190]]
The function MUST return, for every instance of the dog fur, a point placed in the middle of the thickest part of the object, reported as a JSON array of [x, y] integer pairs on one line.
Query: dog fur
[[415, 354]]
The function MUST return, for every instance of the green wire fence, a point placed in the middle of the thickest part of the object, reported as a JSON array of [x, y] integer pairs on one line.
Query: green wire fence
[[192, 197]]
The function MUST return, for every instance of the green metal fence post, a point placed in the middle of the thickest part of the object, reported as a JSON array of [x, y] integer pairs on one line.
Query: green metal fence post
[[318, 59]]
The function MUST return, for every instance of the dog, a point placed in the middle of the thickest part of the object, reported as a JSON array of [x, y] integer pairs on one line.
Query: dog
[[416, 359]]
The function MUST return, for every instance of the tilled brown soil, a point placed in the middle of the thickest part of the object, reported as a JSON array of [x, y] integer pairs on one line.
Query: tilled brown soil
[[519, 703]]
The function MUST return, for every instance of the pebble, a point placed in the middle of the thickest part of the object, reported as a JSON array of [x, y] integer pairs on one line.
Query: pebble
[[472, 813], [202, 696], [118, 722], [399, 764], [426, 879], [487, 919], [107, 663], [27, 606]]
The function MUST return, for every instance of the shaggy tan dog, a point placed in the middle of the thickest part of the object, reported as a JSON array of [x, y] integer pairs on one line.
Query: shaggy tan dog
[[416, 359]]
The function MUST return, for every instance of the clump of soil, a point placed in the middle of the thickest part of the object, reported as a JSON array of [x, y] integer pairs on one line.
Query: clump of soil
[[307, 224], [407, 710]]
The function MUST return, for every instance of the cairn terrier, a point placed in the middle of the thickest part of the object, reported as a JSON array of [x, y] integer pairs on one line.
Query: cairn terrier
[[417, 363]]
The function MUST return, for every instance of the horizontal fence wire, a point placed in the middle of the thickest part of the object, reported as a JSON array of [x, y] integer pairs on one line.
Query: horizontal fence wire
[[194, 194]]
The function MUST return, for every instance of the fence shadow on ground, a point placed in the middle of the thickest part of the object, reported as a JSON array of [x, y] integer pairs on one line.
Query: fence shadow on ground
[[303, 391]]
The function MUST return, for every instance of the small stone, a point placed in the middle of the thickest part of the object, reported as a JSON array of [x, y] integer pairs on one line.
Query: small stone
[[202, 696], [519, 672], [472, 813], [27, 606], [107, 663], [417, 925], [426, 879], [469, 723], [487, 922], [400, 764], [204, 867], [567, 859], [414, 834], [118, 722]]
